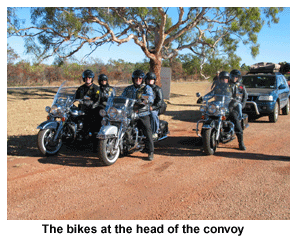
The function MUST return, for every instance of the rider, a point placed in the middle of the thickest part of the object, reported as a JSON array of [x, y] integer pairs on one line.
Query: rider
[[150, 79], [236, 113], [222, 86], [89, 92], [233, 108], [105, 90], [219, 87], [215, 79], [238, 88], [225, 87], [136, 91], [88, 88]]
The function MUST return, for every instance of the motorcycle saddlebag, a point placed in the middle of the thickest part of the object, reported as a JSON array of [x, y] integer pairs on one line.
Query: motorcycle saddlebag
[[163, 126], [163, 108]]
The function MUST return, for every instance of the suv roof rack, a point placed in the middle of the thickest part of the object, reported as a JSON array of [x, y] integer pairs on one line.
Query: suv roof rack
[[264, 67], [265, 73]]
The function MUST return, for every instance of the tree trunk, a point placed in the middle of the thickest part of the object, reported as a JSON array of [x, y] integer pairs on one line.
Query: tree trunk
[[155, 67]]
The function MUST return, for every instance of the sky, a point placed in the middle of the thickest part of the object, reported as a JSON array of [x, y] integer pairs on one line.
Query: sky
[[274, 45]]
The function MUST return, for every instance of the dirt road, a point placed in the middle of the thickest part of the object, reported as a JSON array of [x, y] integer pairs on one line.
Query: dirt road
[[181, 183]]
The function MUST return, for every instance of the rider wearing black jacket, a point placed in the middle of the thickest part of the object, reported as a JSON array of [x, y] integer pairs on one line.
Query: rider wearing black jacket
[[157, 91], [105, 90], [240, 94], [150, 79], [89, 93], [88, 88]]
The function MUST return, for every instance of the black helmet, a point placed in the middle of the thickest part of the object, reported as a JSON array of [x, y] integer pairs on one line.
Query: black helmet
[[224, 75], [150, 76], [138, 74], [102, 77], [235, 73], [87, 74]]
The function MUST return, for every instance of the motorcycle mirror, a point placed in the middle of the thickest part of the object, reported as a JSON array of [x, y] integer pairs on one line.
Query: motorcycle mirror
[[198, 94], [200, 100]]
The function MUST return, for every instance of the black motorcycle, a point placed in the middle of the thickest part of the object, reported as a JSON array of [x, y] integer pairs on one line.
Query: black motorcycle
[[214, 123], [65, 122], [119, 133]]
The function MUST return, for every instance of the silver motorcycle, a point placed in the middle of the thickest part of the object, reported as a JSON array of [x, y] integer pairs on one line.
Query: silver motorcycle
[[65, 122], [119, 133], [214, 124]]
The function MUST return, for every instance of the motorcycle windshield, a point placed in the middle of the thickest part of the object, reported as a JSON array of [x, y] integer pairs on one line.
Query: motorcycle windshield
[[123, 104], [64, 96], [219, 94]]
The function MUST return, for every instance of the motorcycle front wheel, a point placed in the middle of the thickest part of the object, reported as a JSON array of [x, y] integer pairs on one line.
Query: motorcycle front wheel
[[46, 145], [106, 152], [209, 141]]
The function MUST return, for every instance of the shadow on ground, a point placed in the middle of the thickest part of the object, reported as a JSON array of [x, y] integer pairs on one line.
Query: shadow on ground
[[80, 155]]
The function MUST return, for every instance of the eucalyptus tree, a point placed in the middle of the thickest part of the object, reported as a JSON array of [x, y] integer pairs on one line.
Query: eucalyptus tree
[[63, 31]]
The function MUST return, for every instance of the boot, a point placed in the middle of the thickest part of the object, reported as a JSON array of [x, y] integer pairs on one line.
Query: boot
[[241, 143], [150, 156]]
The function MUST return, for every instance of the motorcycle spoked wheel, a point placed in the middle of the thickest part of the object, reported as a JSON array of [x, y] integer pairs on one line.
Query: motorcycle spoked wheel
[[45, 142], [106, 153], [209, 141]]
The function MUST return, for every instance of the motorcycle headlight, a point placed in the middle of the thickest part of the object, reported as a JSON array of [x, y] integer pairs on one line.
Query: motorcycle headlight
[[54, 109], [102, 113], [57, 110], [48, 109], [60, 110], [212, 109], [203, 108], [266, 98], [112, 113]]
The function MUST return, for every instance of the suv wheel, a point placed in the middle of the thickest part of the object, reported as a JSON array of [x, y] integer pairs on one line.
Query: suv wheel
[[286, 109], [273, 117]]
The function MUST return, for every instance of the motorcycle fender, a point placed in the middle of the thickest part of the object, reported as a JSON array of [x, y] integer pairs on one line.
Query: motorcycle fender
[[208, 124], [107, 132], [48, 125]]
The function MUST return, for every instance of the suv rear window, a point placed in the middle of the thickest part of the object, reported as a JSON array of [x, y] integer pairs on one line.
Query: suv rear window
[[268, 82]]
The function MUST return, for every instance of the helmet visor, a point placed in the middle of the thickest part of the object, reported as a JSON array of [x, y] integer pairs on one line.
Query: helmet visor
[[235, 77]]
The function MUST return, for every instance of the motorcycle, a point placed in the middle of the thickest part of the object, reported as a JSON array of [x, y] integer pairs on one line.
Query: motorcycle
[[65, 122], [215, 124], [119, 133]]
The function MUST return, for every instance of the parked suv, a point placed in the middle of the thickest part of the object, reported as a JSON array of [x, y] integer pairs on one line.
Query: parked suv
[[267, 94]]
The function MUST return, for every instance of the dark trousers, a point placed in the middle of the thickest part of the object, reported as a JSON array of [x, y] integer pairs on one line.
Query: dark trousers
[[234, 117], [92, 120], [144, 124]]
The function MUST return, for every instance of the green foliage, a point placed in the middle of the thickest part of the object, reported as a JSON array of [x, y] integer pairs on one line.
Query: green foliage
[[12, 56], [56, 30], [185, 67], [209, 32]]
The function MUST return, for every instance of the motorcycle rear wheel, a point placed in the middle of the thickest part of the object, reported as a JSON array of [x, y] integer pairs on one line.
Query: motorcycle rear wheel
[[45, 142], [209, 141], [106, 153]]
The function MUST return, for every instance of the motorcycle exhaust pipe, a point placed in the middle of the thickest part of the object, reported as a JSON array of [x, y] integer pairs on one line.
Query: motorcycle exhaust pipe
[[162, 138]]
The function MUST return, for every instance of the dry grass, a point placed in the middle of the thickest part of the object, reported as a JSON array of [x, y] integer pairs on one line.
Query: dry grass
[[26, 110]]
